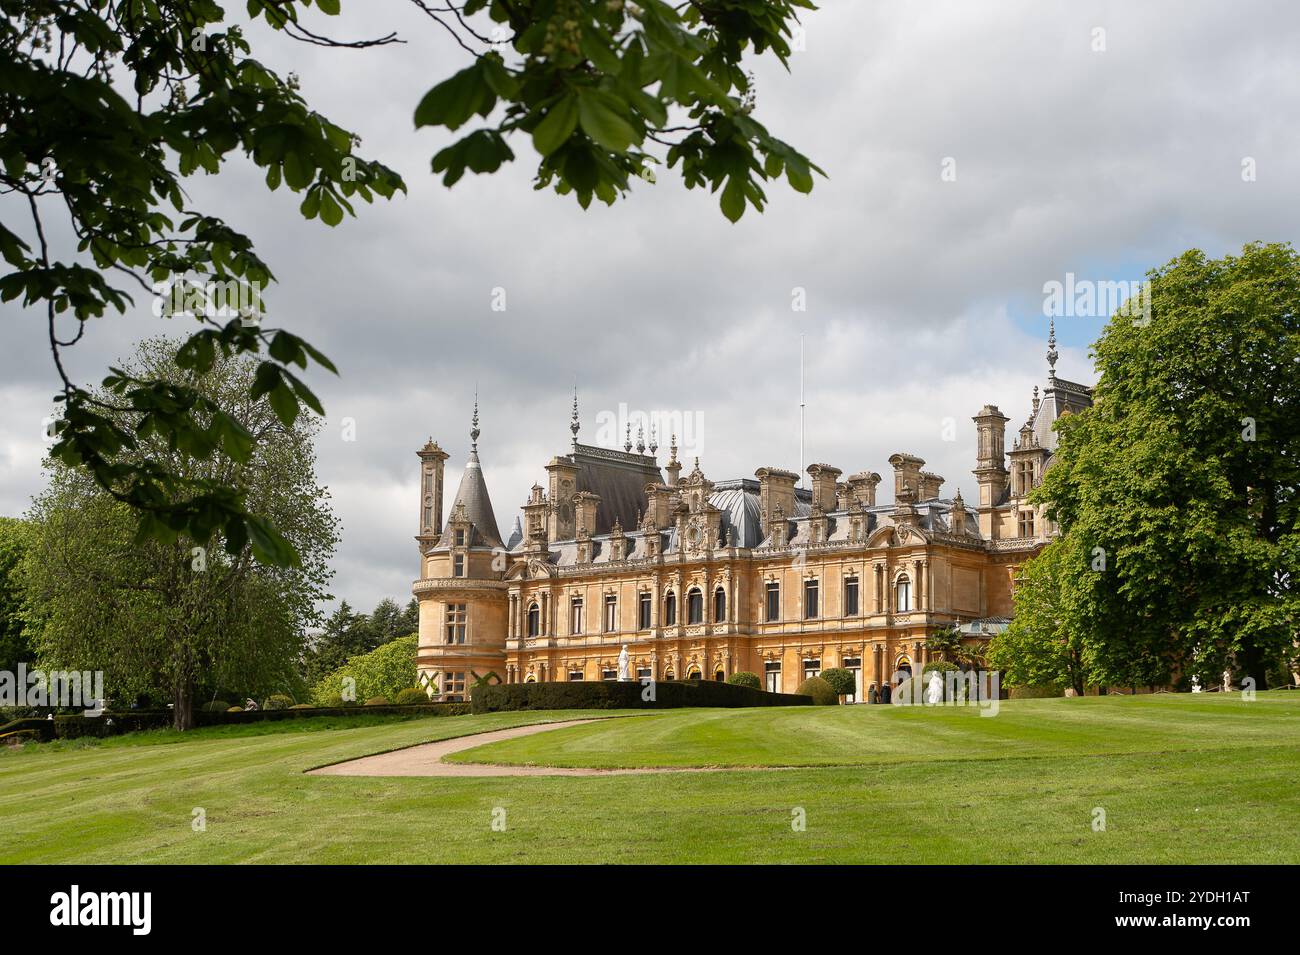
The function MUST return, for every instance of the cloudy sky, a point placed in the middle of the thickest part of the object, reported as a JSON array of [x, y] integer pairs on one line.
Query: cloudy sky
[[1101, 154]]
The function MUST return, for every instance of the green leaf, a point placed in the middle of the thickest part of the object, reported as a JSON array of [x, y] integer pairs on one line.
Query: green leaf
[[452, 102], [601, 117], [557, 125]]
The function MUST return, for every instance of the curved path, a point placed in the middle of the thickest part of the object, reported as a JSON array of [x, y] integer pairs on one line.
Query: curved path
[[425, 759]]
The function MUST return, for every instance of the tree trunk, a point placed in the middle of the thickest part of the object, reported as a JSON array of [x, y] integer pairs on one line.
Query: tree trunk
[[183, 706]]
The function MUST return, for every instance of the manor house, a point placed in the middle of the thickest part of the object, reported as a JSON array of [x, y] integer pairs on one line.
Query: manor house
[[702, 578]]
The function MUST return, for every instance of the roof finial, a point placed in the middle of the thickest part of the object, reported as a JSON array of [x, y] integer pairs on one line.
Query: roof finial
[[654, 440], [627, 438], [473, 431], [672, 451], [640, 439], [573, 425], [1051, 349]]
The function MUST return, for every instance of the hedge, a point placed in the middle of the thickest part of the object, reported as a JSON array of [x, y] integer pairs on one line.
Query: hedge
[[130, 721], [609, 695]]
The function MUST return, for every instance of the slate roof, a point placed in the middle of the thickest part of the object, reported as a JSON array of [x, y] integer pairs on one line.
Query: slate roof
[[620, 479], [1059, 397], [473, 493]]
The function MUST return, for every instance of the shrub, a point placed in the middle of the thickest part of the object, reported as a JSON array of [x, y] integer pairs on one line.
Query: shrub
[[745, 678], [235, 709], [943, 666], [385, 671], [840, 680], [277, 701], [631, 695], [822, 693], [412, 694], [216, 706], [378, 701]]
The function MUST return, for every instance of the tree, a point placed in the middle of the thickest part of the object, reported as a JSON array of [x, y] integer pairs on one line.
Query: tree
[[1177, 491], [14, 647], [384, 671], [840, 680], [1040, 647], [107, 105], [745, 678], [175, 618]]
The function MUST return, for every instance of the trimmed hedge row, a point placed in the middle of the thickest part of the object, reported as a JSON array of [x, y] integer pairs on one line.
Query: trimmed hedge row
[[76, 726], [609, 695]]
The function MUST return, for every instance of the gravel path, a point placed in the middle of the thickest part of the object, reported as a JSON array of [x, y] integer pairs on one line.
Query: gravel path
[[426, 759]]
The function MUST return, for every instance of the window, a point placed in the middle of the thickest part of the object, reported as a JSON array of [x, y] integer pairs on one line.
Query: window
[[670, 610], [455, 623], [773, 602], [810, 609], [1026, 523], [643, 612], [453, 687], [458, 565], [854, 666], [611, 613], [575, 676], [719, 676], [719, 606], [534, 620], [812, 668], [851, 596], [460, 537], [772, 675], [694, 606], [608, 673], [693, 673], [643, 673], [902, 595], [575, 615]]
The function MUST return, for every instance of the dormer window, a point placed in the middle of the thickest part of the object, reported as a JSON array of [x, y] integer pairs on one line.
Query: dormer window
[[460, 537]]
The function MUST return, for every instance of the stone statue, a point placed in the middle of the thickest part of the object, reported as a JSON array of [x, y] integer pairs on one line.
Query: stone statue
[[623, 666], [934, 692], [1196, 684], [1227, 681]]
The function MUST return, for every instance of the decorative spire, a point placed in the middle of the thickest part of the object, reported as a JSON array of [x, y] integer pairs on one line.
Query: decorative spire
[[573, 424], [473, 431], [640, 439], [627, 438], [654, 441], [1035, 399], [1051, 350], [672, 451]]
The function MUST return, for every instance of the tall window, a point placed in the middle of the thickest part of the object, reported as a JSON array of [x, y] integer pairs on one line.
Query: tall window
[[851, 596], [694, 606], [534, 620], [575, 615], [772, 675], [902, 595], [643, 611], [854, 666], [460, 537], [670, 610], [458, 565], [455, 623], [611, 613], [719, 606], [1026, 523], [773, 602], [810, 593], [812, 667]]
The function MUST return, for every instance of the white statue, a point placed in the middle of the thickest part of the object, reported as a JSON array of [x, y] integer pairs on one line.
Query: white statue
[[1227, 681], [934, 692], [1196, 684], [623, 667]]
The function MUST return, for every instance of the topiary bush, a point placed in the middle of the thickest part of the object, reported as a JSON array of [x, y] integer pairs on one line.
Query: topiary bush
[[412, 694], [745, 678], [378, 701], [822, 693], [277, 701], [840, 680]]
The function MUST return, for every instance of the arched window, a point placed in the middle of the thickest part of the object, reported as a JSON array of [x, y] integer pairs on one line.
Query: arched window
[[719, 606], [720, 676], [534, 620], [694, 606], [902, 595], [670, 610]]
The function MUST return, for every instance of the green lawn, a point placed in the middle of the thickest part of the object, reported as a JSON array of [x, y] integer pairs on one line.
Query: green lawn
[[1181, 779]]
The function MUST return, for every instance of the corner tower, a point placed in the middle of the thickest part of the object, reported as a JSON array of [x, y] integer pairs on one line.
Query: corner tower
[[461, 590]]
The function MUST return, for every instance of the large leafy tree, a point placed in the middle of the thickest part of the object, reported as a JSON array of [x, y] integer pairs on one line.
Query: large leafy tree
[[107, 105], [170, 619], [1177, 490], [14, 648]]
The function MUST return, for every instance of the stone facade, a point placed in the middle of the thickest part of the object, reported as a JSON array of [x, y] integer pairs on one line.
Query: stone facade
[[701, 579]]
